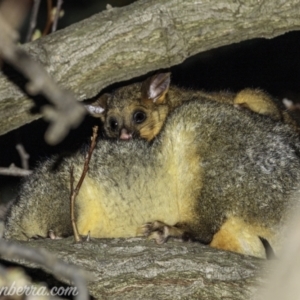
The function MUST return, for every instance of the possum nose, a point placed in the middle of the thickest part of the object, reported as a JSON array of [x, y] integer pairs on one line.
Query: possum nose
[[125, 135]]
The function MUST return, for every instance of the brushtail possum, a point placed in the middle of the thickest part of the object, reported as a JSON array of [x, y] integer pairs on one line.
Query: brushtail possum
[[140, 109], [213, 174]]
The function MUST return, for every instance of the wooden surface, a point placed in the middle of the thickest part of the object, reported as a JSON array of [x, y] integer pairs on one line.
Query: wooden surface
[[122, 43]]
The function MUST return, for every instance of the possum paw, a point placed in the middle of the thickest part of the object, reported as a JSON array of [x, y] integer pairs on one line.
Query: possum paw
[[156, 230], [160, 232], [50, 235]]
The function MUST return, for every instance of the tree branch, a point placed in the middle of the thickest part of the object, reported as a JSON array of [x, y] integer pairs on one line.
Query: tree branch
[[67, 113], [49, 261], [33, 17], [14, 171], [122, 43], [24, 156], [56, 16]]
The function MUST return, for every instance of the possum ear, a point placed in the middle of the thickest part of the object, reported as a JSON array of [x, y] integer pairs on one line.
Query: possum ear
[[98, 107], [156, 87]]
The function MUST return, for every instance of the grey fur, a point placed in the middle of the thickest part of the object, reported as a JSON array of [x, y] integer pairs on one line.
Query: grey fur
[[250, 163]]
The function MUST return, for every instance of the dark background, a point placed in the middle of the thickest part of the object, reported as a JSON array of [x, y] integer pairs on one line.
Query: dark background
[[272, 65]]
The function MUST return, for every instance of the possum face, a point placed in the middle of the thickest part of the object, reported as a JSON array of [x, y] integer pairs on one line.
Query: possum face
[[134, 111], [126, 123]]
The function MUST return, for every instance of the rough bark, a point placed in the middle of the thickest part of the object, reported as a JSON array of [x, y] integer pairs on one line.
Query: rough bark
[[122, 43], [139, 269]]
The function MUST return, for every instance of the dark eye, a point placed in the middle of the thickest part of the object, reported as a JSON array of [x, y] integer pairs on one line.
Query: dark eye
[[139, 117], [113, 124]]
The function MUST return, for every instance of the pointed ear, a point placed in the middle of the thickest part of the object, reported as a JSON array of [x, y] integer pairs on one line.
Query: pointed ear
[[156, 87], [97, 107]]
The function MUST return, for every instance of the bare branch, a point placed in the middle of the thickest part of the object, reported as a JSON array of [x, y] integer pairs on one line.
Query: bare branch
[[12, 170], [77, 237], [68, 113], [74, 192], [33, 18], [57, 13], [49, 17], [24, 156]]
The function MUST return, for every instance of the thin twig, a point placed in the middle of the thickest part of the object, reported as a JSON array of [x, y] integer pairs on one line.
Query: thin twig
[[77, 237], [42, 257], [49, 17], [74, 192], [12, 170], [24, 156], [87, 159], [57, 13], [33, 18], [68, 112]]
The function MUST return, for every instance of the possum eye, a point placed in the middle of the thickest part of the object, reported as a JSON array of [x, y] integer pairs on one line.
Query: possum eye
[[113, 124], [139, 117]]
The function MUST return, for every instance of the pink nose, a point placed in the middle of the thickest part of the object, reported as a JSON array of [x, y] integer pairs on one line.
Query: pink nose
[[125, 135]]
